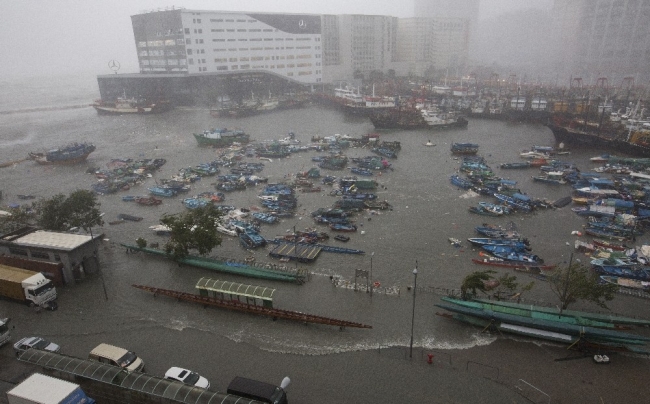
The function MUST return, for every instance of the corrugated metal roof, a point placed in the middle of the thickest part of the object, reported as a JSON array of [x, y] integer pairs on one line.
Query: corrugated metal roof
[[50, 239], [240, 289], [136, 381]]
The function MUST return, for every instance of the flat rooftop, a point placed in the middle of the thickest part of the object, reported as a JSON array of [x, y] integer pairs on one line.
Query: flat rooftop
[[52, 240]]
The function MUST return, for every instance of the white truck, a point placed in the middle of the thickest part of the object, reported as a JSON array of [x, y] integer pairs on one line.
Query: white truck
[[27, 286], [42, 389], [5, 335]]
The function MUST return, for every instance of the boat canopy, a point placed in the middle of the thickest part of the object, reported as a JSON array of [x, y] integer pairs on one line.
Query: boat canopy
[[238, 289]]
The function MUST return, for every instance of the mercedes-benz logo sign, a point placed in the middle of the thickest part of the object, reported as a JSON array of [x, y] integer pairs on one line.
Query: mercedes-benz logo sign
[[302, 24], [114, 65]]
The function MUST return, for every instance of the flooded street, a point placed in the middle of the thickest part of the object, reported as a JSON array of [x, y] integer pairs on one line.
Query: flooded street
[[427, 210]]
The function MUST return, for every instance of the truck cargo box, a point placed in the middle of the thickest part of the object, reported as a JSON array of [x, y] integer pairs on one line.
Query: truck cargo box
[[42, 389]]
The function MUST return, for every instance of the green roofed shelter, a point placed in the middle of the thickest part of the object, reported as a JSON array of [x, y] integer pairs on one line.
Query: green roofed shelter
[[220, 289]]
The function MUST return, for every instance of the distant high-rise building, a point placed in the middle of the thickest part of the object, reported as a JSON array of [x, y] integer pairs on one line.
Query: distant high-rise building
[[438, 43], [604, 38], [355, 43]]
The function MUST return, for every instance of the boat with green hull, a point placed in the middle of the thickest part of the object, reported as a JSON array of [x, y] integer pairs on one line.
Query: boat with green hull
[[225, 267], [607, 318], [543, 328], [549, 336], [532, 313], [222, 137]]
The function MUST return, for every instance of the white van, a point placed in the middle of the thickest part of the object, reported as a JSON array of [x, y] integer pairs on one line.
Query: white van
[[116, 356]]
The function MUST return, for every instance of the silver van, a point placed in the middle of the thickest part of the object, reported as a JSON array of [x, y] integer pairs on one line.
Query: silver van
[[117, 356]]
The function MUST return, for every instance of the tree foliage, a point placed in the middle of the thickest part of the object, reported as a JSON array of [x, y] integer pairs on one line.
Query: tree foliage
[[475, 281], [509, 286], [576, 282], [61, 213], [195, 229]]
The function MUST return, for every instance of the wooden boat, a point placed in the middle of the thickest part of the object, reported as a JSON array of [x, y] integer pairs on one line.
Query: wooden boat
[[627, 283], [342, 238], [516, 202], [610, 245], [148, 200], [498, 262], [129, 198]]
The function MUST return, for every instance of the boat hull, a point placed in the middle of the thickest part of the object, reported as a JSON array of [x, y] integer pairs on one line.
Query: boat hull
[[580, 138]]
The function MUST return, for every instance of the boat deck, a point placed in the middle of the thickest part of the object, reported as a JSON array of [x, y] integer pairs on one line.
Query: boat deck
[[298, 252]]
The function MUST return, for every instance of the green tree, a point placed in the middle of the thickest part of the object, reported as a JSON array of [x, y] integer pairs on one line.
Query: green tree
[[509, 286], [576, 282], [195, 229], [475, 281], [61, 213]]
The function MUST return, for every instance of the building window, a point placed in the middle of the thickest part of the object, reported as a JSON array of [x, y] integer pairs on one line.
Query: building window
[[18, 251], [198, 20], [187, 31], [222, 67], [41, 255], [191, 61], [200, 31], [188, 41]]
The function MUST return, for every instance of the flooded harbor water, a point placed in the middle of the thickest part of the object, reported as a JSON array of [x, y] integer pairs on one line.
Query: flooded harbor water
[[427, 210]]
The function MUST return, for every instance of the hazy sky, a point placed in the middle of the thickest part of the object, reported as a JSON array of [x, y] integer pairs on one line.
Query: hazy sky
[[53, 37]]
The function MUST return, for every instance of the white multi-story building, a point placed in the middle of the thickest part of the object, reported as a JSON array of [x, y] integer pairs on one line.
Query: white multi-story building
[[194, 42], [439, 43]]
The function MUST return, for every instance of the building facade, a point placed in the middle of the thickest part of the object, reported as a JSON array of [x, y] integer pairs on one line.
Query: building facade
[[603, 38], [358, 44], [438, 43], [195, 42], [76, 253]]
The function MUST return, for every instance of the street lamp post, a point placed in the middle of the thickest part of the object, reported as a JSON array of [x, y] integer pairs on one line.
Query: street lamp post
[[371, 255], [415, 288], [92, 240]]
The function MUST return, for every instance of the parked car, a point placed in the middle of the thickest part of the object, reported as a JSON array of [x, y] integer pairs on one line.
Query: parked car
[[187, 377], [36, 343], [117, 356]]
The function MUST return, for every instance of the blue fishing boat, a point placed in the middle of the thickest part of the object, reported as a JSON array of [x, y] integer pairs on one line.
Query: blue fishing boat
[[505, 249], [159, 191], [519, 257], [461, 182], [265, 217], [128, 198], [343, 227], [481, 241], [522, 164], [517, 202], [623, 272], [361, 171], [464, 148], [497, 232], [492, 207], [251, 239]]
